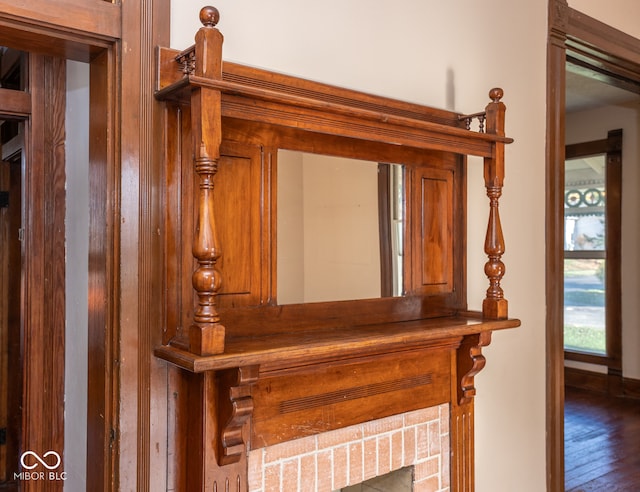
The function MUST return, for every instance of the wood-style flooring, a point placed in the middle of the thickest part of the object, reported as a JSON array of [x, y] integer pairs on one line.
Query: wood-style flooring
[[602, 443]]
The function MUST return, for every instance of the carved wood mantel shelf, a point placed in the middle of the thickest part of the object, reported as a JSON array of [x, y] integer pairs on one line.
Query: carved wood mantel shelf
[[250, 372]]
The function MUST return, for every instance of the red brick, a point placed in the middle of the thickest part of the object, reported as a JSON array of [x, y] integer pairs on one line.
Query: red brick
[[325, 471], [370, 459], [340, 467], [290, 475], [356, 471], [384, 455]]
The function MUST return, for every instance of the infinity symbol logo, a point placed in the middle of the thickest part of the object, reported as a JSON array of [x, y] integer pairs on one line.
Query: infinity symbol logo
[[41, 460]]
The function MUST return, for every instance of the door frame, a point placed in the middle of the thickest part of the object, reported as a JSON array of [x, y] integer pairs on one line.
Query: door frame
[[124, 291], [615, 56]]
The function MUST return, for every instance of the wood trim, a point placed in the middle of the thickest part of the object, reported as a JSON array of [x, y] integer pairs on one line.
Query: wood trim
[[339, 342], [384, 221], [11, 268], [96, 18], [121, 427], [43, 305], [14, 103], [554, 233], [612, 383], [603, 42], [100, 415], [568, 29], [631, 387], [139, 419], [587, 380]]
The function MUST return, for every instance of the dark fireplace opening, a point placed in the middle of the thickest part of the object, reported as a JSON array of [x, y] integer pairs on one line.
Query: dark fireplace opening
[[400, 480]]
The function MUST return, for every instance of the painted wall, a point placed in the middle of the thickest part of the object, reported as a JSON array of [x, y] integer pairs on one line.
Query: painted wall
[[590, 125], [444, 54], [621, 14], [77, 275]]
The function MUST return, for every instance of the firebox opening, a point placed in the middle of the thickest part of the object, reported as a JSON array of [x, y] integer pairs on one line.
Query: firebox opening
[[400, 480]]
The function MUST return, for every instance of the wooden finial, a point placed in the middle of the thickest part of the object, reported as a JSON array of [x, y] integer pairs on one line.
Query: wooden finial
[[496, 94], [209, 16]]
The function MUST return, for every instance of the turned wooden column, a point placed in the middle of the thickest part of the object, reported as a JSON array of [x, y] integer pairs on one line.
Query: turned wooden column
[[494, 305], [206, 335]]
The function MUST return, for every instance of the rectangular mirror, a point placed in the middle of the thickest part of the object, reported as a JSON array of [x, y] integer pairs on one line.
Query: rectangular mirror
[[340, 227]]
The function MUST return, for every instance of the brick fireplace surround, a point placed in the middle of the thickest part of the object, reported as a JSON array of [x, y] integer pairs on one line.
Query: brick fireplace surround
[[351, 455]]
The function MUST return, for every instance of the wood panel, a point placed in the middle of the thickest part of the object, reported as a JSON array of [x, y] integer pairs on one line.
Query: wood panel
[[243, 227], [433, 228], [179, 223], [323, 397]]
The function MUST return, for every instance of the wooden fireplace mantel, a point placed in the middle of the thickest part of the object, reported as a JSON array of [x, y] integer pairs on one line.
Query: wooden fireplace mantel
[[250, 372], [293, 349]]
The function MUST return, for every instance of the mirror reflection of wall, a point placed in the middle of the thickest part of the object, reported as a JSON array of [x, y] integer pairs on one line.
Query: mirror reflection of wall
[[328, 229]]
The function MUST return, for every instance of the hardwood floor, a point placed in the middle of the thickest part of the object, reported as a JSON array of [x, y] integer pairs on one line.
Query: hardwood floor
[[602, 443]]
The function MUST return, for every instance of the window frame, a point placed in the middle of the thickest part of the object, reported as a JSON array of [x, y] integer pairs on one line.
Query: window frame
[[611, 147]]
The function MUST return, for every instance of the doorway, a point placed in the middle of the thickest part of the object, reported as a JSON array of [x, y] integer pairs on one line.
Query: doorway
[[612, 57], [35, 262]]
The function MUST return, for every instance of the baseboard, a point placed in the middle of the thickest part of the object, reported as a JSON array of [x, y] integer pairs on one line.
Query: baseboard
[[601, 383], [586, 380], [631, 387]]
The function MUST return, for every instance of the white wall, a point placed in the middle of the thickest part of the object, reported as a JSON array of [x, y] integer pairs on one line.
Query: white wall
[[621, 14], [444, 54], [77, 275], [590, 125]]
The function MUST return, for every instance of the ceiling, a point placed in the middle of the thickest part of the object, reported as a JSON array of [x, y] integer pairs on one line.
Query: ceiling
[[584, 93]]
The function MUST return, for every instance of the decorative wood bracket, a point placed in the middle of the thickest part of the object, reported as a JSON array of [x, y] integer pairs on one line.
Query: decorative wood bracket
[[234, 411], [470, 362]]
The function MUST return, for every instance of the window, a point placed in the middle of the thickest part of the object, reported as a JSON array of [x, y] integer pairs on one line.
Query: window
[[592, 328]]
